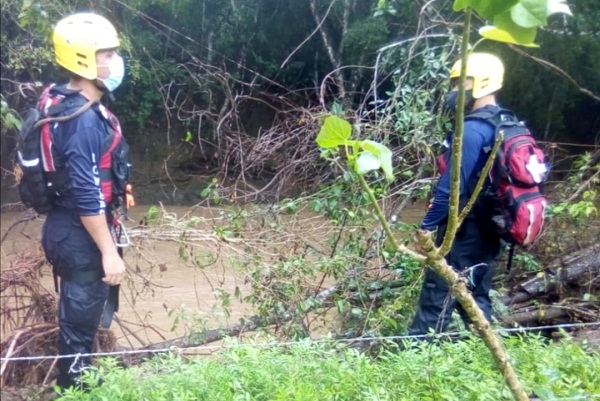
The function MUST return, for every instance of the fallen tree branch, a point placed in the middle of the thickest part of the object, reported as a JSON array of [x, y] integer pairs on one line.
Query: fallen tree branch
[[9, 353], [542, 313], [565, 270], [199, 339], [247, 325], [28, 216]]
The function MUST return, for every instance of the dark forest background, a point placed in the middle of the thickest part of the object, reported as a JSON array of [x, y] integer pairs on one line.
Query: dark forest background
[[223, 85]]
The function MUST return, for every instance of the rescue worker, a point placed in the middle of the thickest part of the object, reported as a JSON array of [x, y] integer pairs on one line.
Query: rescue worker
[[476, 245], [76, 236]]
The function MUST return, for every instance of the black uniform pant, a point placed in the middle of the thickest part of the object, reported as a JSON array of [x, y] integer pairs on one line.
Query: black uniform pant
[[78, 262], [472, 254]]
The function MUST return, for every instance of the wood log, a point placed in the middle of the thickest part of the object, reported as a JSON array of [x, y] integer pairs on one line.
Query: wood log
[[565, 270], [195, 340], [587, 311], [545, 313]]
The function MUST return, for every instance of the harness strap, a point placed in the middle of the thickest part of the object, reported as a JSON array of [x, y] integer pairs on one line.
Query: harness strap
[[105, 174], [111, 306], [511, 254]]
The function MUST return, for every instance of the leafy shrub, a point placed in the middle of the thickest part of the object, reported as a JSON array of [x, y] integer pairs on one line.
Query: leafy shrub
[[330, 371]]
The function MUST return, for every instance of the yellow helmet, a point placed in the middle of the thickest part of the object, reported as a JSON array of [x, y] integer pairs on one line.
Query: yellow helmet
[[78, 37], [486, 70]]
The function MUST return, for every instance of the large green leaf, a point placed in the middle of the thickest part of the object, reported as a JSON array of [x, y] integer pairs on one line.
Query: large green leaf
[[530, 13], [383, 153], [334, 132], [460, 4], [507, 31], [374, 147], [366, 162], [500, 35], [487, 9]]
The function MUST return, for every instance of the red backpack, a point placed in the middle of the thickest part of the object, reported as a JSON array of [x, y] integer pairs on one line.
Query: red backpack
[[516, 179]]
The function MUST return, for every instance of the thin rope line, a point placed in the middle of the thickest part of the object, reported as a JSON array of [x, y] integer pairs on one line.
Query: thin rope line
[[583, 145], [291, 343]]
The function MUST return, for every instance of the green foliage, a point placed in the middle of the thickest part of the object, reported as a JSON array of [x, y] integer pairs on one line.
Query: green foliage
[[283, 288], [339, 202], [514, 21], [585, 182], [193, 321], [416, 98], [9, 118], [250, 39], [286, 286], [579, 211], [334, 132], [526, 261], [394, 307], [395, 297], [233, 222], [486, 8], [555, 108], [35, 17], [26, 36], [461, 371], [152, 215], [362, 156], [212, 192], [364, 37]]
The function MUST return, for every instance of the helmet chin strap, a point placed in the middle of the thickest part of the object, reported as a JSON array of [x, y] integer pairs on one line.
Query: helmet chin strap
[[100, 85], [105, 91], [470, 104]]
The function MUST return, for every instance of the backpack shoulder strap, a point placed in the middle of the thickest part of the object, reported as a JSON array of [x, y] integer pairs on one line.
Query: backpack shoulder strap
[[65, 104], [62, 106], [496, 116], [501, 119], [56, 99], [486, 115]]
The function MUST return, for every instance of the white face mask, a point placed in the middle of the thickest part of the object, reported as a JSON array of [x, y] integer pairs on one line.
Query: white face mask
[[116, 70]]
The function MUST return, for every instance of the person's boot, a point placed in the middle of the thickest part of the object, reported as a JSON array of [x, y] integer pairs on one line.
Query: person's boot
[[69, 374]]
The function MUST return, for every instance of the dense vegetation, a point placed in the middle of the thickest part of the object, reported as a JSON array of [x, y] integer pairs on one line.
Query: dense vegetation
[[238, 91], [186, 58], [305, 371]]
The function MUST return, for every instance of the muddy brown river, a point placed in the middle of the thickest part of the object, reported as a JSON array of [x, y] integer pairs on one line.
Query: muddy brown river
[[176, 284], [164, 290]]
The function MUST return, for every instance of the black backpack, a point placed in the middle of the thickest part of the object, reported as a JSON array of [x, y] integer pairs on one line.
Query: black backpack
[[37, 188]]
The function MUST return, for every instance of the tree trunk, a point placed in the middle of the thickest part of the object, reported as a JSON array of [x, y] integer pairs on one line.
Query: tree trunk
[[334, 56]]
